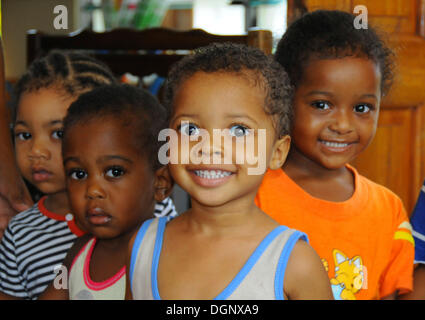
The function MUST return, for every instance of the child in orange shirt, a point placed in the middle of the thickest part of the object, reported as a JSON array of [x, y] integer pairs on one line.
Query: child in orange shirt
[[359, 228]]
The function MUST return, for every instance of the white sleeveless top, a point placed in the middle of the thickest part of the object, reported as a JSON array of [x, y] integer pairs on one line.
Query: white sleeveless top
[[81, 287], [261, 278]]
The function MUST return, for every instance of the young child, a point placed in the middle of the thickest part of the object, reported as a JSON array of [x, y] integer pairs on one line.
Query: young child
[[113, 178], [359, 228], [224, 247], [36, 240]]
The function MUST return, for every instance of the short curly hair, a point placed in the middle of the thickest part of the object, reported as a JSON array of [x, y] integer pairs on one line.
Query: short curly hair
[[331, 34], [241, 59], [134, 107]]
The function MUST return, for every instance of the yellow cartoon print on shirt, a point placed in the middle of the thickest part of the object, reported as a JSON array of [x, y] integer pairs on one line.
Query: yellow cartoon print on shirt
[[349, 275]]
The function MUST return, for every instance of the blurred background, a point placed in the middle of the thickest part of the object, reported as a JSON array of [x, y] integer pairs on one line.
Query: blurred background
[[214, 16]]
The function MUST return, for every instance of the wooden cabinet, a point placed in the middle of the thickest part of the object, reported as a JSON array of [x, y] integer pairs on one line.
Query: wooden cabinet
[[396, 156]]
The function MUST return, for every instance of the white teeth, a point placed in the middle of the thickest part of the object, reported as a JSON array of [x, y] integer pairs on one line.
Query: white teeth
[[334, 144], [212, 174]]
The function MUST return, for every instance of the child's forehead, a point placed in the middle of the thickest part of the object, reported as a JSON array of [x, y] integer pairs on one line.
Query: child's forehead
[[96, 136], [241, 83], [218, 91], [43, 103], [342, 70], [247, 76], [102, 125]]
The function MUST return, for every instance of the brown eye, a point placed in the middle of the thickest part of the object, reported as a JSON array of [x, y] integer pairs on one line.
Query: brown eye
[[23, 135], [115, 172], [77, 174], [57, 134], [362, 108], [322, 105]]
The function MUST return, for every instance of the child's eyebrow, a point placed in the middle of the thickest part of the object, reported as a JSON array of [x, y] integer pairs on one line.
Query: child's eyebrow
[[369, 95], [54, 122], [114, 157], [49, 124], [102, 159], [312, 93], [240, 116], [325, 93], [185, 115], [67, 159], [20, 122]]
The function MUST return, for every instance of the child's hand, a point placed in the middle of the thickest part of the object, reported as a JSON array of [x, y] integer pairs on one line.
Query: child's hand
[[15, 200]]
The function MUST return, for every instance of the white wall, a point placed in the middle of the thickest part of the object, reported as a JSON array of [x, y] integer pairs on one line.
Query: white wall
[[18, 16]]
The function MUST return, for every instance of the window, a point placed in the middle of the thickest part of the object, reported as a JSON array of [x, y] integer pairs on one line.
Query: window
[[220, 17]]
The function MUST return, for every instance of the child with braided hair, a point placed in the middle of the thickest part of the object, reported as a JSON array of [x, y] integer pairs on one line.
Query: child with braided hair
[[37, 240]]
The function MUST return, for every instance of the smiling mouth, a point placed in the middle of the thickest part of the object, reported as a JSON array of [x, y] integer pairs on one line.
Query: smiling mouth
[[336, 146], [212, 174], [211, 178]]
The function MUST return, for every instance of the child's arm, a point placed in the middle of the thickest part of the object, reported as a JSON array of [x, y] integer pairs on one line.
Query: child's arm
[[14, 196], [418, 292], [305, 276], [57, 290]]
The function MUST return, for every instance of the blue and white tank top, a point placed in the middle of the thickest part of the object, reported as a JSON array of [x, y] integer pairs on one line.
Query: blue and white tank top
[[261, 278]]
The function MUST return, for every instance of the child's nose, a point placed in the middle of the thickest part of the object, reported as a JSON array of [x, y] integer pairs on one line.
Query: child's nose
[[341, 122], [39, 149], [94, 189], [209, 148]]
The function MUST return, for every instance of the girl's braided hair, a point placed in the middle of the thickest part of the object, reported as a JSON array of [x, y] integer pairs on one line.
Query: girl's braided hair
[[69, 73]]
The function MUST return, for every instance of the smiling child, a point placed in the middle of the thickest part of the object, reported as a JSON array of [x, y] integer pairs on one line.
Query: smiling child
[[224, 247], [359, 228]]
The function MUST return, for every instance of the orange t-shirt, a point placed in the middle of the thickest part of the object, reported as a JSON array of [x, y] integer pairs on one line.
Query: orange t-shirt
[[365, 242]]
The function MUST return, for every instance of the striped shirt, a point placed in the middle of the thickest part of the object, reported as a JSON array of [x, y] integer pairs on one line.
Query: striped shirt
[[36, 241], [418, 224]]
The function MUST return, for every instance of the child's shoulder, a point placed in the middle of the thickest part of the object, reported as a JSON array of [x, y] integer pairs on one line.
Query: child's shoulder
[[378, 190], [306, 277], [151, 224], [382, 200], [76, 248], [29, 217]]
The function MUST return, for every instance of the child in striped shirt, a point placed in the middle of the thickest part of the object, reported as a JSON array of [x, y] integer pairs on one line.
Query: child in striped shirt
[[37, 240]]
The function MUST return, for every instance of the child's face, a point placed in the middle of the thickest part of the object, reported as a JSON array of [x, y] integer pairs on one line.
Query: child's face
[[109, 183], [336, 107], [208, 101], [38, 138]]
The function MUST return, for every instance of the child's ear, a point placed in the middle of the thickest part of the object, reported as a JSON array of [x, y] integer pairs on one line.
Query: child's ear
[[280, 152], [163, 183]]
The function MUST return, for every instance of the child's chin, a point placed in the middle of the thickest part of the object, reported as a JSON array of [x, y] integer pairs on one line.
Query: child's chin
[[336, 164], [211, 201], [47, 188]]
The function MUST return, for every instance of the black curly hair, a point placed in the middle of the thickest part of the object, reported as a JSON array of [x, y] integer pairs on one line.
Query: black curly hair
[[69, 73], [134, 107], [247, 61], [331, 34]]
